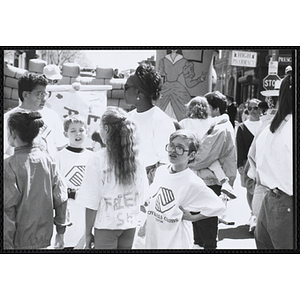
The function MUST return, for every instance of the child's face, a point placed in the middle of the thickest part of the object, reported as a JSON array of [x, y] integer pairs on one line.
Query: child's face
[[76, 135], [177, 147]]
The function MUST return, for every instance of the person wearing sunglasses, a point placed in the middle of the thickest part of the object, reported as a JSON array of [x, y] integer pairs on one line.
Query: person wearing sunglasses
[[244, 137], [33, 96], [52, 73]]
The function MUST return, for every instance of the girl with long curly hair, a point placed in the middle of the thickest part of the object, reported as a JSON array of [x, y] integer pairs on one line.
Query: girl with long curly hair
[[113, 185]]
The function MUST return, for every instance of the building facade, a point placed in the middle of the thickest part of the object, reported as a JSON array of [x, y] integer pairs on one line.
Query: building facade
[[240, 73]]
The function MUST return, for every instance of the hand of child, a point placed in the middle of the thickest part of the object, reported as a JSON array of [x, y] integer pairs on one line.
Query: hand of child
[[59, 241], [188, 216]]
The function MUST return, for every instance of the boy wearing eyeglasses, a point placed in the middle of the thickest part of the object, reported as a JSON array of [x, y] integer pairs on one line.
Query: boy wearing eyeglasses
[[175, 192], [33, 95]]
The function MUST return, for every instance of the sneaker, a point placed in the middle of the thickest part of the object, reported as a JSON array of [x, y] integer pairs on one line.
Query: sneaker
[[228, 190]]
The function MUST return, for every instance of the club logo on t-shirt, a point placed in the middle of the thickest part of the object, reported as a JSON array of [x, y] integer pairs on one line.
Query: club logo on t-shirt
[[75, 175], [164, 200]]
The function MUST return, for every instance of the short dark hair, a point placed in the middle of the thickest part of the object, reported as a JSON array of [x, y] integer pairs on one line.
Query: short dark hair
[[26, 125], [217, 100], [29, 81]]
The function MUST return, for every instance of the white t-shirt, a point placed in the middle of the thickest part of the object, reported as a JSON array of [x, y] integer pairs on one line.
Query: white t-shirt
[[71, 166], [154, 129], [52, 131], [117, 206], [165, 227], [274, 157], [253, 126], [199, 126]]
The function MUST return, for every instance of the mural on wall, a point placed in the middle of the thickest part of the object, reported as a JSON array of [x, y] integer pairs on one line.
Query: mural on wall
[[185, 74]]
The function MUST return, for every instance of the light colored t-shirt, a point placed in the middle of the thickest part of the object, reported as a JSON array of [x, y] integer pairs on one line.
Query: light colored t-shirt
[[165, 227], [71, 166], [51, 132], [117, 206], [253, 126], [199, 126], [274, 157], [154, 128]]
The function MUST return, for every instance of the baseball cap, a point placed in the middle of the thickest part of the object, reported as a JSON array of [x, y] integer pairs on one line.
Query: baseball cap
[[52, 72]]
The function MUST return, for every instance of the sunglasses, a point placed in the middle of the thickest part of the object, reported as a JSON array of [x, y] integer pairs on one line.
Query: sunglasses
[[254, 108], [54, 81]]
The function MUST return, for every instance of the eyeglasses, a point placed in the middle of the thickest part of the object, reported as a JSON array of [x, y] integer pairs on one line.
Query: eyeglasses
[[254, 107], [41, 95], [178, 149]]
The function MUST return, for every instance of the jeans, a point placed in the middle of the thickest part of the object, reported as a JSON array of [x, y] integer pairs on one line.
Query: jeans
[[275, 223], [206, 230]]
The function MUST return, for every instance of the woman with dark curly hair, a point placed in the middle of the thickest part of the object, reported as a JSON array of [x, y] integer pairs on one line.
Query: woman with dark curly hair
[[113, 185], [154, 126]]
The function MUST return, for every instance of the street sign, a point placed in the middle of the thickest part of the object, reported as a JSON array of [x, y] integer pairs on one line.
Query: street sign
[[269, 81], [244, 59]]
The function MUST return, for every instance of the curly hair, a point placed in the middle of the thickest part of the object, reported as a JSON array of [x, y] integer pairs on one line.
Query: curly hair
[[26, 125], [150, 79], [121, 144], [197, 108], [29, 81]]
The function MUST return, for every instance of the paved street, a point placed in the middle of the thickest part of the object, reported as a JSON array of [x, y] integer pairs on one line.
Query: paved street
[[236, 236]]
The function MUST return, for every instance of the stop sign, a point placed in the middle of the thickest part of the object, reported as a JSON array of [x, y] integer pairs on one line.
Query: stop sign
[[269, 81]]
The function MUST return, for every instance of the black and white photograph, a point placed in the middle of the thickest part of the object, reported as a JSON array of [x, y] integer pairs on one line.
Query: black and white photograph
[[100, 109], [132, 149]]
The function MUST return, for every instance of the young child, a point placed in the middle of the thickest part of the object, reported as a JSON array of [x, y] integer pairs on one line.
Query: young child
[[176, 190], [114, 184], [32, 189], [71, 162], [199, 121]]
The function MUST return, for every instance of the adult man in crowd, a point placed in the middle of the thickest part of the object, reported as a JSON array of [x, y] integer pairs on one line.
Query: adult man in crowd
[[33, 95]]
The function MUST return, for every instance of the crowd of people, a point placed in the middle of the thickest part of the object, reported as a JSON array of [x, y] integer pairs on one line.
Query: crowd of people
[[150, 182]]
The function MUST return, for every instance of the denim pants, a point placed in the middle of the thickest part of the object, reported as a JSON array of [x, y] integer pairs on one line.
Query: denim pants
[[275, 223]]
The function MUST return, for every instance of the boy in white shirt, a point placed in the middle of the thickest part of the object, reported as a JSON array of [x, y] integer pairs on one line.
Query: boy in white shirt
[[71, 162], [175, 192]]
